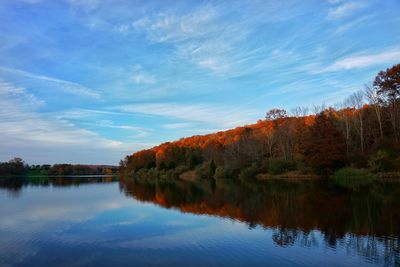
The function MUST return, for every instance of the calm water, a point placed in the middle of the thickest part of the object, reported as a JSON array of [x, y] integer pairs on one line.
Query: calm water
[[103, 222]]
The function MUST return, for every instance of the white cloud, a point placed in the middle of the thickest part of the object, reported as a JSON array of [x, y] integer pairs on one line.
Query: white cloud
[[221, 116], [140, 76], [365, 60], [122, 29], [199, 36], [23, 128], [43, 217], [178, 125], [66, 86], [143, 78], [95, 118], [362, 21], [216, 65], [213, 37], [79, 113], [177, 28], [21, 94], [139, 132], [345, 9], [26, 127]]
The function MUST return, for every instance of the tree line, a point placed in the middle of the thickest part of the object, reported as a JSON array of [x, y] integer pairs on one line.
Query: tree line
[[362, 132], [17, 167]]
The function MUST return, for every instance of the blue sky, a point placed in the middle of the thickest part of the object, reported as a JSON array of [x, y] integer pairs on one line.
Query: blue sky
[[89, 81]]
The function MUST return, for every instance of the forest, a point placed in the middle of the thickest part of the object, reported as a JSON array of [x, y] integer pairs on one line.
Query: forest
[[17, 167], [359, 137]]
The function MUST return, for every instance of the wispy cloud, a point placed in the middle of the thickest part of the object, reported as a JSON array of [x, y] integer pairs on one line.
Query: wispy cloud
[[96, 119], [140, 76], [178, 28], [214, 64], [361, 21], [221, 116], [345, 9], [138, 132], [198, 36], [20, 94], [66, 86], [175, 67], [22, 127], [79, 113], [178, 125], [25, 127], [364, 60], [192, 128]]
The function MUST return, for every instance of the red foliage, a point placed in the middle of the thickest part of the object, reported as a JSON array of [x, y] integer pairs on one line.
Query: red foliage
[[325, 146]]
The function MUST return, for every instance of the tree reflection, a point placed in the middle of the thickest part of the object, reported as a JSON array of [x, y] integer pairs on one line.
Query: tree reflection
[[284, 237], [14, 185], [366, 223]]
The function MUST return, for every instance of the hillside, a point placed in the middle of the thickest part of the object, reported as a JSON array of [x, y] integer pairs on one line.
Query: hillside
[[363, 133]]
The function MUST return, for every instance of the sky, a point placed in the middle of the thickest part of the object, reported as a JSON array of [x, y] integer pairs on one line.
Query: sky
[[90, 81]]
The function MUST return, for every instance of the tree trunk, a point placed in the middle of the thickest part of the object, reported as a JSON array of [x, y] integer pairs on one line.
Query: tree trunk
[[361, 133]]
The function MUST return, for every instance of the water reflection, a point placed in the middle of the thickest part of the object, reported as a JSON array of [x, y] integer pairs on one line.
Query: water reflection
[[366, 223], [97, 221], [14, 185]]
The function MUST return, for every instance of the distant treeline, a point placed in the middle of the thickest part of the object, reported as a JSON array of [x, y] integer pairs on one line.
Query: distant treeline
[[363, 132], [17, 167]]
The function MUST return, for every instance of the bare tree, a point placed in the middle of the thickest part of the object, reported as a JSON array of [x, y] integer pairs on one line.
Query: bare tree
[[319, 108], [270, 142], [373, 99], [299, 111], [345, 114], [275, 114], [356, 101]]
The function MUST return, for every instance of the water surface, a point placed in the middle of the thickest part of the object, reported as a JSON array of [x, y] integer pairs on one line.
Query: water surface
[[99, 221]]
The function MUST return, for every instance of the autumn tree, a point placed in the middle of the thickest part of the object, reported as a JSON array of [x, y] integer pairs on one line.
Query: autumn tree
[[283, 132], [213, 150], [285, 137], [267, 136], [352, 133], [142, 159], [387, 86], [325, 147]]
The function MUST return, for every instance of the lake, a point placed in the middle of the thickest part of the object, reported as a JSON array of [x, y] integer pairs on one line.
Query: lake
[[99, 221]]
